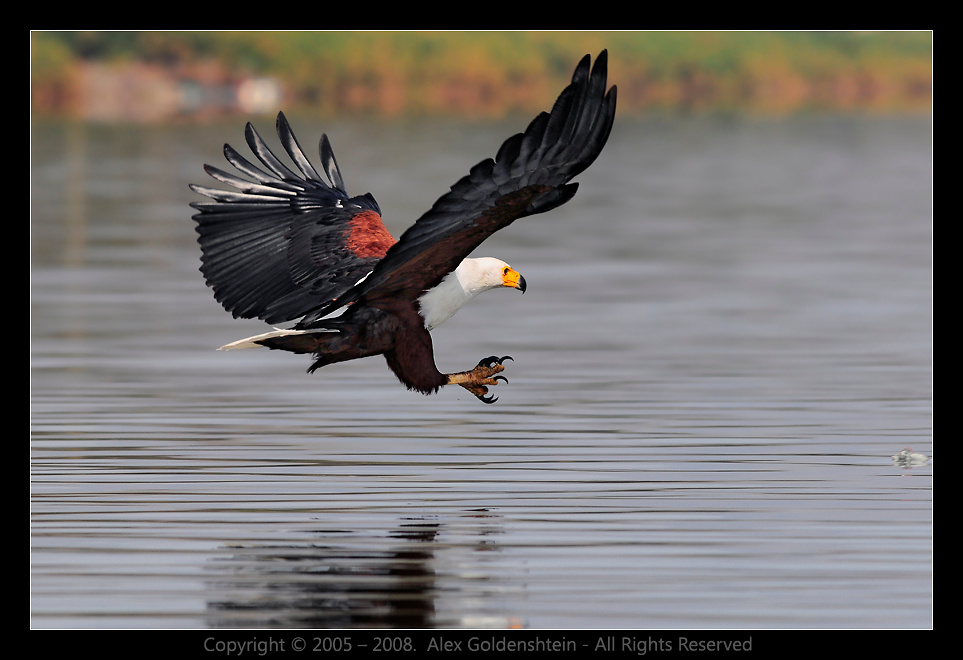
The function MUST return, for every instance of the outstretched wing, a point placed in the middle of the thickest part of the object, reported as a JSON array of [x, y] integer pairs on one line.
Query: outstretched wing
[[281, 242], [530, 174]]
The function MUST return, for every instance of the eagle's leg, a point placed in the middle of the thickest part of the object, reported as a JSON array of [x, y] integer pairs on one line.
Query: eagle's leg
[[483, 375]]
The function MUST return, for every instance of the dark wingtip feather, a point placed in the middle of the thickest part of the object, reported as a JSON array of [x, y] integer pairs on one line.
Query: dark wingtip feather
[[290, 144], [330, 164], [265, 155]]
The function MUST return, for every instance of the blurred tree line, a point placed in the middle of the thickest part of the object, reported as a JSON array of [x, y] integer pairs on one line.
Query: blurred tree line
[[492, 73]]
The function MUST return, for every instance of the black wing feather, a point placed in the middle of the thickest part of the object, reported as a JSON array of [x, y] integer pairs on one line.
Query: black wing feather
[[530, 174], [329, 163], [276, 245], [290, 144]]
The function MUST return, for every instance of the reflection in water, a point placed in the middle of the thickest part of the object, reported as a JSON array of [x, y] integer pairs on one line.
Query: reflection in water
[[336, 583]]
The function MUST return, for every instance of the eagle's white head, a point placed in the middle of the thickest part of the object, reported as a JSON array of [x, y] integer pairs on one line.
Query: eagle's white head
[[464, 283]]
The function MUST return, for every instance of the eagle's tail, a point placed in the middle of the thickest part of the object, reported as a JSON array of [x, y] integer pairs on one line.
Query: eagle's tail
[[295, 341]]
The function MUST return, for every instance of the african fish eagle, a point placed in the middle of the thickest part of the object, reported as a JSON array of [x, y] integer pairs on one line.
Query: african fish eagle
[[286, 246]]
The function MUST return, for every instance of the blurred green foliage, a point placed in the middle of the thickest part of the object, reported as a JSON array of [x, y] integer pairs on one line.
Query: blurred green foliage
[[719, 64]]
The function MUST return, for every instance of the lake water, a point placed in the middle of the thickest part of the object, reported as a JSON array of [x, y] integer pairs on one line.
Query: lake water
[[726, 336]]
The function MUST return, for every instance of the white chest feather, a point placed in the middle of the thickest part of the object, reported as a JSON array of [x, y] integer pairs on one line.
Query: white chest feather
[[439, 304], [461, 285]]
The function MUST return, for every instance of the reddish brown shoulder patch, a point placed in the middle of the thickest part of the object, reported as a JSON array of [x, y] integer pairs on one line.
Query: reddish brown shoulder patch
[[367, 236]]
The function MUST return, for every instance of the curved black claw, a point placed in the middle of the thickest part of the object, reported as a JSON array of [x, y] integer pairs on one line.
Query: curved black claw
[[500, 378], [491, 398], [492, 360]]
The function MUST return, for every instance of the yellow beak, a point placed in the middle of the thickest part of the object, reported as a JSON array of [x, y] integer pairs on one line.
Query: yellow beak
[[514, 279]]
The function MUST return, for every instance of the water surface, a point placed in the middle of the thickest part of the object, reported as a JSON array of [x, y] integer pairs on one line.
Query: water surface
[[726, 336]]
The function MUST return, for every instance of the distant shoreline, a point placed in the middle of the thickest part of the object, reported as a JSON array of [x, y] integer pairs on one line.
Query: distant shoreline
[[159, 77]]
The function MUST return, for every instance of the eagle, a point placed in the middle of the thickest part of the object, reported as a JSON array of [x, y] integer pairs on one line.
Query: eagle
[[289, 246]]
